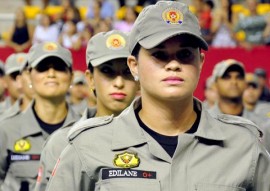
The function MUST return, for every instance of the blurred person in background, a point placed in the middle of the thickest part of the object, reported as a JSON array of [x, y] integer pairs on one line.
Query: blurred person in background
[[69, 38], [250, 29], [22, 137], [230, 84], [251, 97], [21, 33], [222, 26], [127, 22], [210, 93], [46, 30], [77, 98], [3, 104], [205, 19], [263, 86], [24, 84], [13, 66]]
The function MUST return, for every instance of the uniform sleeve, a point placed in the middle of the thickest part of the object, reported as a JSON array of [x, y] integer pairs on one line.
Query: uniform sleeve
[[3, 155], [68, 173], [262, 171], [43, 176], [50, 153]]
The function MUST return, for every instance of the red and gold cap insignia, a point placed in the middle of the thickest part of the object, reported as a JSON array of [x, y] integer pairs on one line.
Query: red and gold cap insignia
[[20, 59], [50, 47], [172, 16], [115, 41], [126, 160]]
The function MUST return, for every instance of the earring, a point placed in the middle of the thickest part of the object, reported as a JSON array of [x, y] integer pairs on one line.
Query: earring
[[136, 78], [30, 86], [70, 86]]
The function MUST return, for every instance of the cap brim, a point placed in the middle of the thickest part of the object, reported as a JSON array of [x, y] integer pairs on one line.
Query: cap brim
[[98, 61], [37, 61], [156, 39], [14, 69]]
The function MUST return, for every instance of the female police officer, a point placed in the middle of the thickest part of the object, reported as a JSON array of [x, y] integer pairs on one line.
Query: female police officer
[[22, 137], [165, 140], [110, 78]]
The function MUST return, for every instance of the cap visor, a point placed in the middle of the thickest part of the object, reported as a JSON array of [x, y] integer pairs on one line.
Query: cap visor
[[37, 61], [158, 38]]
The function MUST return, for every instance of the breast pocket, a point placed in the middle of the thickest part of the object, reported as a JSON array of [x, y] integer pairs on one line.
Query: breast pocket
[[214, 187], [130, 185]]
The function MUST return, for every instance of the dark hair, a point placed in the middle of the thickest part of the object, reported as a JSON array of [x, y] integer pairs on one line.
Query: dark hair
[[90, 67], [136, 50]]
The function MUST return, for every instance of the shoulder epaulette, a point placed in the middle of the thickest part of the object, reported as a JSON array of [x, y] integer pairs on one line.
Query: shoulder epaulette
[[241, 121], [88, 124]]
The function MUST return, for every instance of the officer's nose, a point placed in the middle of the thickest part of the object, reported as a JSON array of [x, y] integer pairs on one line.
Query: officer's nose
[[173, 65], [119, 82]]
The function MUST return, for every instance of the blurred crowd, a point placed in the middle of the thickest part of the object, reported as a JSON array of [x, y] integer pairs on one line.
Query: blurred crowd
[[225, 23]]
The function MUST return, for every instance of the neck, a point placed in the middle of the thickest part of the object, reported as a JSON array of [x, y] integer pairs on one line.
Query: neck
[[25, 102], [231, 106], [51, 112], [74, 100], [173, 118], [249, 106]]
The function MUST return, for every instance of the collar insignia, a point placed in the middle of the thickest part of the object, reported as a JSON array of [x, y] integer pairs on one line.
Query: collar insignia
[[172, 16], [126, 160], [22, 145]]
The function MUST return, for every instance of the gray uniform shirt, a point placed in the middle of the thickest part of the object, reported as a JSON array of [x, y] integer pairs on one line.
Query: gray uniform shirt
[[12, 111], [52, 149], [224, 154], [21, 141], [261, 121]]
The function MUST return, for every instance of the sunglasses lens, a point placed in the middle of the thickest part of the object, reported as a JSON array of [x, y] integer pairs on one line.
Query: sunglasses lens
[[60, 67], [14, 75]]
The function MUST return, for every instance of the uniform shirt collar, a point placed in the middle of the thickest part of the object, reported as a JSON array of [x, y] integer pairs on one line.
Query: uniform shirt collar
[[127, 131], [30, 125]]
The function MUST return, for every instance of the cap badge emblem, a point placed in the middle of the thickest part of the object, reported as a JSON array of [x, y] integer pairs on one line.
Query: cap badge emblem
[[172, 16], [50, 47], [22, 145], [126, 160], [115, 41], [20, 59]]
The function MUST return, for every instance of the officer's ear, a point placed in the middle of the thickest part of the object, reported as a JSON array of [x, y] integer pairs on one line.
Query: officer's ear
[[133, 65], [89, 79], [202, 59]]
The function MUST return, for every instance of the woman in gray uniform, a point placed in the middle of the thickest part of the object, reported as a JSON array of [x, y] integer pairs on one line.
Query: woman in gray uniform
[[22, 137], [109, 77], [165, 140]]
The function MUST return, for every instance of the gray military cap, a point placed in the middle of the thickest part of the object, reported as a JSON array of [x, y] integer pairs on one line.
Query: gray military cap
[[252, 79], [15, 62], [221, 67], [39, 52], [159, 22], [107, 46], [78, 77]]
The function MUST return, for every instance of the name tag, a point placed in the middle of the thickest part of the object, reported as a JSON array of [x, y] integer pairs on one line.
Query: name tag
[[24, 157], [127, 173]]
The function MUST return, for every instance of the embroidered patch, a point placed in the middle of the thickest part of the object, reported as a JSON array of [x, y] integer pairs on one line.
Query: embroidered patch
[[115, 41], [126, 160], [127, 173], [172, 16], [50, 47], [22, 145]]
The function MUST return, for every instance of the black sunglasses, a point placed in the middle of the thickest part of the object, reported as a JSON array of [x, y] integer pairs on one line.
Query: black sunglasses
[[58, 67], [14, 75]]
